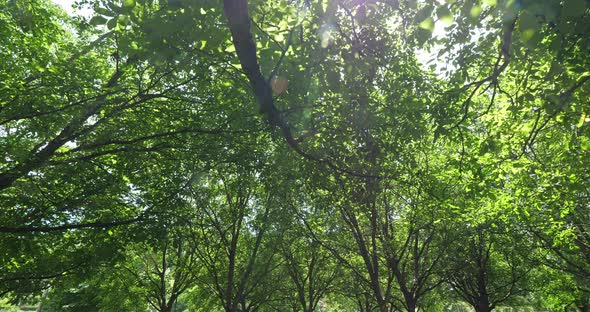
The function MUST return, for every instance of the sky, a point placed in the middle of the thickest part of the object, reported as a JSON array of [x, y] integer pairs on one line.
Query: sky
[[67, 6]]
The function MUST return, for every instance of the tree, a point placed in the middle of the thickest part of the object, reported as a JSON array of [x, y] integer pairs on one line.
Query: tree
[[81, 120], [488, 268], [311, 268], [233, 223], [166, 272]]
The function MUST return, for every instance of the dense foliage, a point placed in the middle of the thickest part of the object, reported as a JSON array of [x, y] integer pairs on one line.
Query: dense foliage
[[333, 155]]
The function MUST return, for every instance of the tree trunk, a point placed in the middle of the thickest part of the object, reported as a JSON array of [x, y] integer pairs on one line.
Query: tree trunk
[[411, 305], [383, 307], [482, 305]]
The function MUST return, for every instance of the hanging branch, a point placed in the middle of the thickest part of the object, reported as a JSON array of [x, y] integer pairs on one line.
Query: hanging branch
[[239, 22]]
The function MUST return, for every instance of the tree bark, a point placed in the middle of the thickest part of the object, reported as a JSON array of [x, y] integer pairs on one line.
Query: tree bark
[[482, 305]]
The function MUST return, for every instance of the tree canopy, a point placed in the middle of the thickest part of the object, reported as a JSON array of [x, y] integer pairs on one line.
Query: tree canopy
[[303, 155]]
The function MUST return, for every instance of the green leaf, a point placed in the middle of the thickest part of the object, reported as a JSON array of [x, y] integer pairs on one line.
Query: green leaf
[[427, 24], [230, 48], [97, 20], [129, 4], [527, 34], [105, 12], [444, 15], [573, 8], [422, 35], [123, 20], [475, 11], [528, 22], [423, 13], [581, 121], [112, 23]]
